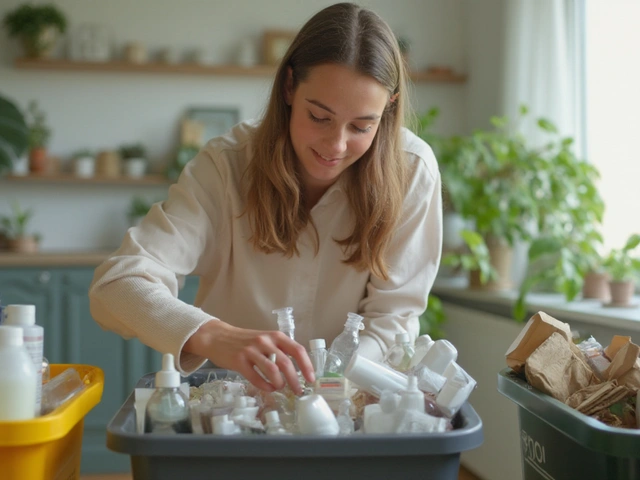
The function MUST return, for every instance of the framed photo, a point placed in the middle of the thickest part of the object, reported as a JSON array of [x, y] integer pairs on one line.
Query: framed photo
[[275, 44], [206, 123]]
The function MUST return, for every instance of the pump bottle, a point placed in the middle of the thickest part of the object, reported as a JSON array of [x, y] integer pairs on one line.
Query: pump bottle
[[168, 408], [344, 346]]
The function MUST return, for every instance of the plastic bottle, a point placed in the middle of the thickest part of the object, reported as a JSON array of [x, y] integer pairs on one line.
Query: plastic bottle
[[17, 377], [400, 354], [422, 346], [168, 408], [318, 355], [24, 316], [345, 422], [343, 346], [274, 427], [286, 323]]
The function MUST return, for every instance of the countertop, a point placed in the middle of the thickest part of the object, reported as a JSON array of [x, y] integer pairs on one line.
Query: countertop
[[53, 259]]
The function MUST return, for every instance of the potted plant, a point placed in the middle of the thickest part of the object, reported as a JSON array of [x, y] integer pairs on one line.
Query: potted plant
[[433, 318], [14, 138], [475, 259], [38, 27], [39, 135], [134, 157], [623, 269], [84, 163], [14, 228]]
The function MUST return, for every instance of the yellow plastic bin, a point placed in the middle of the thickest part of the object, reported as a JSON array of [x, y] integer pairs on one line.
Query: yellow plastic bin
[[49, 447]]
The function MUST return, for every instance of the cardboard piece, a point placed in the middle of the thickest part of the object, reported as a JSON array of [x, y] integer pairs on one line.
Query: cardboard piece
[[625, 366], [538, 329], [557, 370], [593, 399]]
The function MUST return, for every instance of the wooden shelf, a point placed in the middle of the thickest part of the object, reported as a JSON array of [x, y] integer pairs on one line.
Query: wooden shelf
[[95, 180], [193, 69]]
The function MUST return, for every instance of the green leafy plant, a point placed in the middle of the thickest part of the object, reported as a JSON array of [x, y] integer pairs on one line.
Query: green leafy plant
[[134, 150], [28, 22], [433, 318], [184, 154], [13, 134], [14, 225], [39, 131], [139, 207], [620, 264], [85, 152], [476, 258]]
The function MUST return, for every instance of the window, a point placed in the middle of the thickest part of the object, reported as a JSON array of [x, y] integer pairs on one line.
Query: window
[[613, 112]]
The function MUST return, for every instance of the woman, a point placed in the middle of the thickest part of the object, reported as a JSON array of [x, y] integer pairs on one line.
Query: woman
[[327, 205]]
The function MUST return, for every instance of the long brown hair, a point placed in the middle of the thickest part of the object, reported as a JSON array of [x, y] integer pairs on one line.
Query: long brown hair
[[344, 34]]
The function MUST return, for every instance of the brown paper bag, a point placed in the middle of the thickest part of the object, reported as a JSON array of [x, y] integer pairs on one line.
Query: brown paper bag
[[625, 365], [534, 333], [555, 369], [593, 399]]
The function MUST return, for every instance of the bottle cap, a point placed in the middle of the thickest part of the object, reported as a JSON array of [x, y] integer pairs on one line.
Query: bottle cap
[[317, 343], [23, 315], [403, 337], [424, 340], [10, 336], [168, 377]]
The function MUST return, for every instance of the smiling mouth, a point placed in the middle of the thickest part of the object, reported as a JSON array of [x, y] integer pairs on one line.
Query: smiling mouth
[[324, 160]]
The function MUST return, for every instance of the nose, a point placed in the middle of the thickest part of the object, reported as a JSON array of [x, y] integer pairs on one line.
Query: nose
[[336, 142]]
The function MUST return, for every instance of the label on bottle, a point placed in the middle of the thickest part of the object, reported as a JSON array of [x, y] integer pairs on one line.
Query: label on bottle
[[33, 344]]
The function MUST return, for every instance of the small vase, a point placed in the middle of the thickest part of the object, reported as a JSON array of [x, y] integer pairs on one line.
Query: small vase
[[38, 160]]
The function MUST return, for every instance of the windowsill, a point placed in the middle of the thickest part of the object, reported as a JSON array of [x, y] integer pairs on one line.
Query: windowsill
[[454, 290]]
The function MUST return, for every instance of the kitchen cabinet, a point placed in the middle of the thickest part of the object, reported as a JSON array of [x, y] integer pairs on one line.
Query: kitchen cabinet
[[72, 336]]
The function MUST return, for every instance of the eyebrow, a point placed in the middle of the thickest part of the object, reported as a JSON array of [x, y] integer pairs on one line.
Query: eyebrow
[[373, 116]]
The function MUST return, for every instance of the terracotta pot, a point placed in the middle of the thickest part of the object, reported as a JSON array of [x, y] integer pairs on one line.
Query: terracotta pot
[[596, 285], [621, 292], [23, 245], [501, 258], [38, 160]]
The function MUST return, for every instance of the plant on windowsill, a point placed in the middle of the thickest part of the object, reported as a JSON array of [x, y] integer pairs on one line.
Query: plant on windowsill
[[14, 134], [624, 270], [433, 318], [14, 228], [38, 27]]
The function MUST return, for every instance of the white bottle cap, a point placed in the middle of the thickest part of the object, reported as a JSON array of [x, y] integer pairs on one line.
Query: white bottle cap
[[272, 417], [10, 336], [23, 315], [402, 337], [424, 340], [317, 343], [168, 377]]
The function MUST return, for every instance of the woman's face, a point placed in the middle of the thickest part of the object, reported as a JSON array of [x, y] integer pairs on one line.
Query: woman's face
[[335, 115]]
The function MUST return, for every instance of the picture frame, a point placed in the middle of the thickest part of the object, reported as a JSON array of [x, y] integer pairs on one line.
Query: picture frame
[[275, 44], [209, 122]]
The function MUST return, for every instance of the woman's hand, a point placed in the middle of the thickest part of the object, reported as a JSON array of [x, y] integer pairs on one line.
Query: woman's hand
[[239, 349]]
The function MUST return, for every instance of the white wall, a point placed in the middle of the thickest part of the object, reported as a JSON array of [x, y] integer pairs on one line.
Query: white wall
[[105, 110]]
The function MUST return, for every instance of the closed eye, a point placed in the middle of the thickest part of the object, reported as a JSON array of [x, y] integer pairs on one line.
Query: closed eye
[[361, 130], [313, 118]]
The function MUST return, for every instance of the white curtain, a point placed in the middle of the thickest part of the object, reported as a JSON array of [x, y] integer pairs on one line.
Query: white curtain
[[544, 65]]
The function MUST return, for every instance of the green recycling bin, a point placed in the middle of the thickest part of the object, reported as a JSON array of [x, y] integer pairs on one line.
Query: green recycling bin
[[560, 443]]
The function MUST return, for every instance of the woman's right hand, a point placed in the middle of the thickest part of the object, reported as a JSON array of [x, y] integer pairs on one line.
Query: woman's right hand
[[240, 349]]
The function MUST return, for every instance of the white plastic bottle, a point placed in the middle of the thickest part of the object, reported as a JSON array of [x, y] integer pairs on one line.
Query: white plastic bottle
[[286, 323], [343, 346], [167, 410], [318, 355], [24, 316], [421, 347], [400, 354], [17, 377]]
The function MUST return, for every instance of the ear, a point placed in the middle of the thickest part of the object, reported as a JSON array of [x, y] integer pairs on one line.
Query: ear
[[288, 86]]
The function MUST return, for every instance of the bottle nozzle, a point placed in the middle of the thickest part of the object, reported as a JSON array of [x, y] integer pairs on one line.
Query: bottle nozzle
[[354, 321]]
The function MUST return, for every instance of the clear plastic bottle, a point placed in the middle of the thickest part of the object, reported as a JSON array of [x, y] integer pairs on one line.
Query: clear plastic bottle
[[286, 323], [345, 422], [318, 355], [17, 377], [343, 346], [167, 411], [422, 346], [400, 354], [274, 427], [24, 316]]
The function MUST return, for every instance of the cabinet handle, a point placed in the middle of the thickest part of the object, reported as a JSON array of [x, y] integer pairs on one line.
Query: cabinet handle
[[44, 277]]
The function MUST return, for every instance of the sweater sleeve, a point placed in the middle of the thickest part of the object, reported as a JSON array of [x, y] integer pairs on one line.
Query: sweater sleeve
[[395, 305], [134, 292]]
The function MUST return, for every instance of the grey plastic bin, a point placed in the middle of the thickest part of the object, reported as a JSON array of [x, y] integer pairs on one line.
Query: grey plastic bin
[[371, 457], [558, 442]]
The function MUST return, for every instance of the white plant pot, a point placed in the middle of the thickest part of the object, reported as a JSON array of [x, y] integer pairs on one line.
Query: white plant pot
[[20, 166], [85, 167], [452, 225], [135, 167]]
